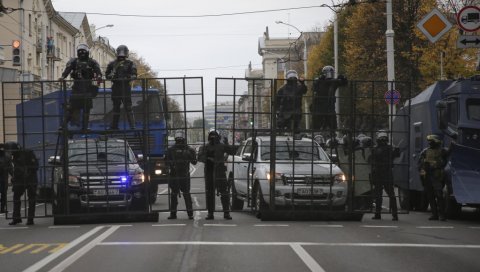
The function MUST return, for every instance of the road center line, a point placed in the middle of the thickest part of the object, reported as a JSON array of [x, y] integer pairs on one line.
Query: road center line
[[327, 226], [270, 225], [206, 243], [219, 225], [378, 226], [435, 227], [13, 228], [169, 225], [63, 227], [55, 255], [82, 251], [306, 258]]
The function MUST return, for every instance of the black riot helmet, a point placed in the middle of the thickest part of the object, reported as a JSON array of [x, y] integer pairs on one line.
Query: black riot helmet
[[83, 51], [179, 137], [328, 72], [122, 51], [213, 136], [11, 146]]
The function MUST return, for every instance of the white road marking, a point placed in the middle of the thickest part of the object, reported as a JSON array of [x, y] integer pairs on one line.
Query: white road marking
[[327, 226], [270, 225], [378, 226], [13, 228], [197, 214], [219, 225], [82, 251], [306, 258], [435, 227], [56, 254], [192, 171], [63, 227], [169, 225], [474, 227], [162, 192], [205, 243]]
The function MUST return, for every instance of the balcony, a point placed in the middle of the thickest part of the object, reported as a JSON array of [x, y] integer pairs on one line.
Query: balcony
[[39, 47], [54, 53]]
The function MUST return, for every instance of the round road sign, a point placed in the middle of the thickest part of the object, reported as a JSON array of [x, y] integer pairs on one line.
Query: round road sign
[[392, 97], [469, 18]]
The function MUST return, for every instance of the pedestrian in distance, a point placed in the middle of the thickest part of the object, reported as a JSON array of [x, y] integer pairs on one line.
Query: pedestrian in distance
[[179, 157], [323, 106], [23, 170], [431, 165], [213, 156], [121, 72], [86, 75], [288, 102], [381, 160]]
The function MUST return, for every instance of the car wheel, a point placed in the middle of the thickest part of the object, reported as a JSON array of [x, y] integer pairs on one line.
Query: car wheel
[[259, 202], [237, 204], [139, 204]]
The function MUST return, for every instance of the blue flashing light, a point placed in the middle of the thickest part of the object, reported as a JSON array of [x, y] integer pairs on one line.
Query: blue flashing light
[[124, 179]]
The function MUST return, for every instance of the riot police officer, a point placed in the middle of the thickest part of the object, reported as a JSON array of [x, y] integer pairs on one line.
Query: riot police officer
[[213, 156], [288, 101], [431, 165], [86, 74], [381, 159], [4, 162], [121, 71], [323, 106], [179, 157], [23, 169]]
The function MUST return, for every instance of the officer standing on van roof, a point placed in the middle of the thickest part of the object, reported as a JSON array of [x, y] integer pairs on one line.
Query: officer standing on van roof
[[431, 165], [122, 71], [179, 157], [288, 101], [83, 70]]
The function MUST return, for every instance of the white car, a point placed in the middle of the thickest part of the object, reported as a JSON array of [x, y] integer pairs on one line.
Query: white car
[[300, 174]]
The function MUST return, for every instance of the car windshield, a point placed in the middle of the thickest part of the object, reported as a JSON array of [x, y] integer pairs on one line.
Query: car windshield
[[298, 150], [100, 151]]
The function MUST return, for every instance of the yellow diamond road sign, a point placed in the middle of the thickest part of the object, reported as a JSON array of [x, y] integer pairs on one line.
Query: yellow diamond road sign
[[434, 25]]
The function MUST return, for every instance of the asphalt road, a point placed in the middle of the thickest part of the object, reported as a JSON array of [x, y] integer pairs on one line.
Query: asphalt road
[[243, 244]]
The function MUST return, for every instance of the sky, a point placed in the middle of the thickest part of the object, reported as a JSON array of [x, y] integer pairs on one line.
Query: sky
[[203, 46]]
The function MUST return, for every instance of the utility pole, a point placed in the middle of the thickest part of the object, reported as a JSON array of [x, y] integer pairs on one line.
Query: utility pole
[[389, 34]]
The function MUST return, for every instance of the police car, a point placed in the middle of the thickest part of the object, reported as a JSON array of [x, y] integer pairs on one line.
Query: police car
[[299, 169], [99, 173]]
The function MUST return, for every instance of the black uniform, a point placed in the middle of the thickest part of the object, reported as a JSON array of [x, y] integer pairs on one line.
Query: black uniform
[[382, 177], [323, 106], [213, 155], [4, 162], [23, 170], [121, 72], [179, 157], [431, 165], [289, 104], [83, 71]]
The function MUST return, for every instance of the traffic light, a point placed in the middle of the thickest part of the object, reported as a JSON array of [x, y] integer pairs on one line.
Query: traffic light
[[16, 53]]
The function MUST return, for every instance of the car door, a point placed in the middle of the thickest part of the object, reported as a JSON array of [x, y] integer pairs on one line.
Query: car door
[[241, 168]]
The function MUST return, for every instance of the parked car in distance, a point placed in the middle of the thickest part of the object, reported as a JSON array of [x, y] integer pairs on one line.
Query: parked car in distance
[[304, 174]]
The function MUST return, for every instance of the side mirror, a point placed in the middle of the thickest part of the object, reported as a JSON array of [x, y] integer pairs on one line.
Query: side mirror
[[246, 157], [334, 158], [441, 114], [54, 160]]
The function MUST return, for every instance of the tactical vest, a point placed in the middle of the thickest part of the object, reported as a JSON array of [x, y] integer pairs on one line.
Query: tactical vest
[[433, 156], [83, 69], [122, 69]]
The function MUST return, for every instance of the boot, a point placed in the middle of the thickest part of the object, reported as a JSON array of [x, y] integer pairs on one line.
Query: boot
[[15, 221], [30, 221], [173, 215], [209, 216], [115, 119], [394, 217], [377, 217], [227, 216], [131, 120], [86, 119]]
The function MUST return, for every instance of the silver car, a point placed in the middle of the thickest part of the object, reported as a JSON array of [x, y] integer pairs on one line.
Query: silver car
[[299, 174]]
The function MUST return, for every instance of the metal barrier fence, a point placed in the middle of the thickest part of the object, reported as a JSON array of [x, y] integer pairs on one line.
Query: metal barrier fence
[[291, 155]]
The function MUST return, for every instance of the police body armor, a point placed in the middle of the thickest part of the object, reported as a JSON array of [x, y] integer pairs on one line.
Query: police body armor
[[83, 73]]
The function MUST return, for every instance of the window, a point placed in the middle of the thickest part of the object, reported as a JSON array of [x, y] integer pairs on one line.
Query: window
[[473, 109], [452, 111]]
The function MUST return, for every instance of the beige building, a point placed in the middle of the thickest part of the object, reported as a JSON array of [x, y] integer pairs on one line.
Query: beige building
[[47, 42]]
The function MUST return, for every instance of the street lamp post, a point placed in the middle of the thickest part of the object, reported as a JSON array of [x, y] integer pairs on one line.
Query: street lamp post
[[307, 119]]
